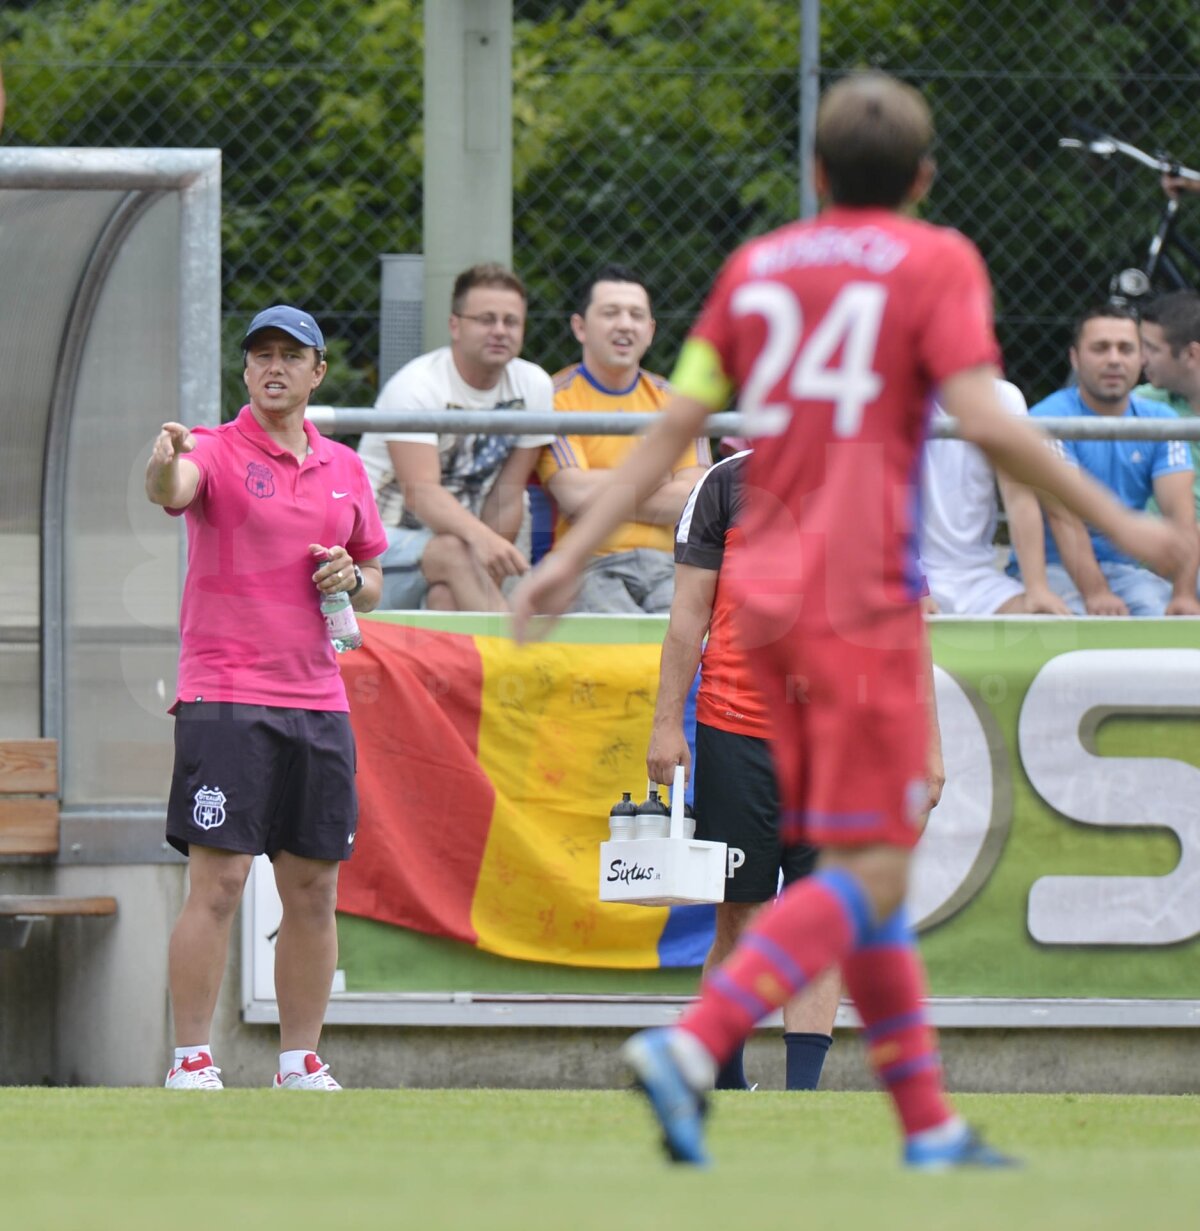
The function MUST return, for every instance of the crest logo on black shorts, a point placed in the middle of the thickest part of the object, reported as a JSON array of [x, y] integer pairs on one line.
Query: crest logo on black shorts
[[260, 480], [208, 810]]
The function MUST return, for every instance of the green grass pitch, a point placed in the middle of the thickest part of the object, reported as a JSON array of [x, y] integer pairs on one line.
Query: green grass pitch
[[495, 1160]]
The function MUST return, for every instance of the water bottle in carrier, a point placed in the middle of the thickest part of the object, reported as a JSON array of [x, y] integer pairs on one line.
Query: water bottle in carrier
[[622, 818], [653, 819]]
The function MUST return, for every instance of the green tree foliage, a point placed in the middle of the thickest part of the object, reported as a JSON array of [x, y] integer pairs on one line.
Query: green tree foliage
[[655, 132], [316, 109], [1006, 81], [660, 134]]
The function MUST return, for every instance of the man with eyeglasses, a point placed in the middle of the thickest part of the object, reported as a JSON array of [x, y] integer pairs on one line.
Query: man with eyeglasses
[[452, 503]]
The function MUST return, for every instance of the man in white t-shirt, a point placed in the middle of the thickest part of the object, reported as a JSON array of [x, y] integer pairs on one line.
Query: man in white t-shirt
[[451, 503], [958, 531]]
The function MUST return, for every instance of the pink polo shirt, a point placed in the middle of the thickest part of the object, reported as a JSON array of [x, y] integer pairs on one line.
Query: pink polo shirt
[[251, 629]]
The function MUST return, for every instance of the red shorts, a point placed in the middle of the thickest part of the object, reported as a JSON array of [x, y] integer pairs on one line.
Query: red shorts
[[850, 728]]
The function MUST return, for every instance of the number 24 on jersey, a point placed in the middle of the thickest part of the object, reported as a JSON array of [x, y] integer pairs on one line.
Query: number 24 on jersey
[[851, 325]]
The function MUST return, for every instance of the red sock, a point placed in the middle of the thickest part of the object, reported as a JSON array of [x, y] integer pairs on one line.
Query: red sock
[[887, 983], [813, 925]]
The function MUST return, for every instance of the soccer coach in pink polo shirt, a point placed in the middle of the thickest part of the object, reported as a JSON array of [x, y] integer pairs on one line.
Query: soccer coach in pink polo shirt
[[264, 755]]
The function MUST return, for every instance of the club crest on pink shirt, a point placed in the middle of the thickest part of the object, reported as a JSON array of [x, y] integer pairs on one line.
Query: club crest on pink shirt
[[260, 480]]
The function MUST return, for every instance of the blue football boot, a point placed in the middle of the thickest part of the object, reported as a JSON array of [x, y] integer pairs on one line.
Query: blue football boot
[[966, 1150], [679, 1108]]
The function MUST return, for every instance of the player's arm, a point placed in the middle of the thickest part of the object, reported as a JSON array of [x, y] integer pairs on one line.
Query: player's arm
[[171, 479], [691, 614], [1013, 445], [504, 506], [1026, 532], [419, 473], [1173, 494]]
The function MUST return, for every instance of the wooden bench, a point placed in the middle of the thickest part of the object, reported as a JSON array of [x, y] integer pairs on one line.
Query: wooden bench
[[29, 828]]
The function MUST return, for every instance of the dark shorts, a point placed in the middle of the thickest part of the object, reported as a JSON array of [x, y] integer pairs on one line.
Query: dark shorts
[[259, 779], [737, 802]]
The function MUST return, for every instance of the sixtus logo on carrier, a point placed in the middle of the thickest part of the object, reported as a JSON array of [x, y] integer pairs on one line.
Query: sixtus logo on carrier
[[627, 873], [208, 807]]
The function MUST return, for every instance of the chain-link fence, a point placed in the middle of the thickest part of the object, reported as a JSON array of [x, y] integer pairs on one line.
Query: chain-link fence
[[1007, 80], [654, 132], [316, 105]]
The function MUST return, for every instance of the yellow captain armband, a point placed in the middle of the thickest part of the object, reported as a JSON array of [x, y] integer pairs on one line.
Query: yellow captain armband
[[699, 375]]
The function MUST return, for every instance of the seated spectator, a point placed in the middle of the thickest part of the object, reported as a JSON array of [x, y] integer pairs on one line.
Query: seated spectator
[[958, 531], [1083, 566], [452, 504], [1170, 328], [634, 571]]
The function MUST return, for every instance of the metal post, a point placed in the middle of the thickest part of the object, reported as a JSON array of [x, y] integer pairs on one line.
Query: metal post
[[810, 93], [468, 146]]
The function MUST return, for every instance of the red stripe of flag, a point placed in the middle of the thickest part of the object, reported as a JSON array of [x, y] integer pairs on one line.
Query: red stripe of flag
[[425, 805]]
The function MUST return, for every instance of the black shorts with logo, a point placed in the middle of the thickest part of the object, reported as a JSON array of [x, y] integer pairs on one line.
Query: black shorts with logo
[[259, 779], [737, 802]]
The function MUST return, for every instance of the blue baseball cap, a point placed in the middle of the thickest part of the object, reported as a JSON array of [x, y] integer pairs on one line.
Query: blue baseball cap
[[297, 324]]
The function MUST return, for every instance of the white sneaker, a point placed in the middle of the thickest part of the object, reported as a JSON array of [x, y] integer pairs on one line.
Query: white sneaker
[[316, 1076], [196, 1073]]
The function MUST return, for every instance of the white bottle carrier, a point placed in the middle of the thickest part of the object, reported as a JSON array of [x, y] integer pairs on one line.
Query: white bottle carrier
[[671, 871]]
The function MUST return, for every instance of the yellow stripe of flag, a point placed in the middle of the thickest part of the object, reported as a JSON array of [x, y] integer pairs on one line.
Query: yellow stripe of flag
[[563, 732]]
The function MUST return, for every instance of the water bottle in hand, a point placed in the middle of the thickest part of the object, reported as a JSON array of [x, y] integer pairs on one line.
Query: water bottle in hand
[[341, 622]]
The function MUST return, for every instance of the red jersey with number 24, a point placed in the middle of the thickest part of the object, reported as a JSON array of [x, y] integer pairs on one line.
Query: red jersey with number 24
[[836, 332]]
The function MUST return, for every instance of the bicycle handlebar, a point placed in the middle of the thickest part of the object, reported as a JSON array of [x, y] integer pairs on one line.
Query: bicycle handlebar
[[1105, 146]]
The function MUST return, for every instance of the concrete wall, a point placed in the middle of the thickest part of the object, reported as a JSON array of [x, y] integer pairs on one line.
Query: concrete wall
[[1041, 1061], [85, 1003], [113, 1024]]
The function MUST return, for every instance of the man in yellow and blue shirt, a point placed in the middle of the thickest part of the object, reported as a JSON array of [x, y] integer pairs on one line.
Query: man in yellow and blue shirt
[[634, 570]]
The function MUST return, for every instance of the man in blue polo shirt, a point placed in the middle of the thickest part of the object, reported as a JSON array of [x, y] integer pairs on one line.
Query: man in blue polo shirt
[[1082, 566]]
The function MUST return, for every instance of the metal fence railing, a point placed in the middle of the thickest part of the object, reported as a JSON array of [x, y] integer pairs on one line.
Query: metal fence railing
[[351, 420], [655, 134]]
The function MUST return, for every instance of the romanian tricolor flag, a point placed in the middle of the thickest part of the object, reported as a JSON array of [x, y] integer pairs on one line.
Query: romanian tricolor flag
[[486, 772]]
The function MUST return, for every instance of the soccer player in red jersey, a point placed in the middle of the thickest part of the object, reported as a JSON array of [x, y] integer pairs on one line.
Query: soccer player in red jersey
[[835, 333]]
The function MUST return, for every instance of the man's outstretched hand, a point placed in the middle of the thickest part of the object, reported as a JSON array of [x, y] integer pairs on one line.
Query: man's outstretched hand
[[547, 592], [1157, 543]]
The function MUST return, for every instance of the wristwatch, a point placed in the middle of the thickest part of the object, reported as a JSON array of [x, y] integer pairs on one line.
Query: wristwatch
[[358, 581]]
